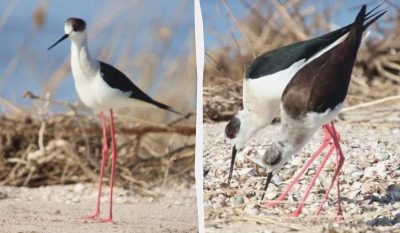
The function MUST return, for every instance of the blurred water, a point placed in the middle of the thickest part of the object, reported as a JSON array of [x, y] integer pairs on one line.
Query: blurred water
[[37, 64]]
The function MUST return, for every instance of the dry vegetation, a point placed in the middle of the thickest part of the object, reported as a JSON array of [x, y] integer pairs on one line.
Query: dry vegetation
[[39, 147], [65, 149], [270, 24]]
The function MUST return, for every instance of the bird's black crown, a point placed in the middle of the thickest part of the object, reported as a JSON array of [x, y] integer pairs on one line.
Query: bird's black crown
[[78, 25]]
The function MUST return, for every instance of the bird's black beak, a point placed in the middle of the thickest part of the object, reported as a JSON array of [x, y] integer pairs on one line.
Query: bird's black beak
[[269, 177], [234, 151], [65, 36]]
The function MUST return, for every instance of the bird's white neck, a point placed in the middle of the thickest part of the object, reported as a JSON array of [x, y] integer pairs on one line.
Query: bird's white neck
[[250, 124], [83, 66], [293, 136]]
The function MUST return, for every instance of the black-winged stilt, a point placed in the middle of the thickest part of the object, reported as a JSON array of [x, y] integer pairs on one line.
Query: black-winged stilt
[[103, 88], [267, 77], [313, 98]]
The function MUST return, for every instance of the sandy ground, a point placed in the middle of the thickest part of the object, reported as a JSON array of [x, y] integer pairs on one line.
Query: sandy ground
[[60, 208], [371, 169]]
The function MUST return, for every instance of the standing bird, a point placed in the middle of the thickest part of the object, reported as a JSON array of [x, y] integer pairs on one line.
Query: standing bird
[[267, 77], [101, 87], [313, 98]]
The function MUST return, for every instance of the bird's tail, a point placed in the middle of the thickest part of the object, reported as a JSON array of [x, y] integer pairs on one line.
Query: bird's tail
[[372, 16], [353, 40], [360, 24], [165, 107]]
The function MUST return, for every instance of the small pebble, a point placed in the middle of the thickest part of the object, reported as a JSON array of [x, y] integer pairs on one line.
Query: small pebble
[[252, 211], [78, 188], [396, 218], [238, 200], [297, 161], [369, 172], [277, 180], [247, 171], [382, 156], [218, 202], [357, 174], [231, 193], [76, 199], [350, 168], [270, 195], [383, 221], [380, 169]]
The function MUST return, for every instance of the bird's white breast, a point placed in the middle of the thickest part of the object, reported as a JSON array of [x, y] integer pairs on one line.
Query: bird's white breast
[[95, 93], [92, 90]]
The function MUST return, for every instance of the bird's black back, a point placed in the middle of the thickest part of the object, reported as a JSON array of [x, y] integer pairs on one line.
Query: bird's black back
[[118, 80]]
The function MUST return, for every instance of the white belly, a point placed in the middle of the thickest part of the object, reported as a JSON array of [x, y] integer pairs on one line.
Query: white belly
[[96, 94], [313, 119]]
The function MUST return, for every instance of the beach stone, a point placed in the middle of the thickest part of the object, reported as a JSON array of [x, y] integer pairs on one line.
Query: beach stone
[[238, 200]]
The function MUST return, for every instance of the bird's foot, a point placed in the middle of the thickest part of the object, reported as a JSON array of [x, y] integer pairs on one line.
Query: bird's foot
[[340, 217], [94, 216], [105, 220], [271, 204], [297, 212]]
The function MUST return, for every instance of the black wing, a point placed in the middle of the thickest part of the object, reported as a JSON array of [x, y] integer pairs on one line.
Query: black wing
[[282, 58], [118, 80], [323, 83]]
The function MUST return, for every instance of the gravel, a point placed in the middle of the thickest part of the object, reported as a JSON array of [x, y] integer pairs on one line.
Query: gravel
[[370, 184]]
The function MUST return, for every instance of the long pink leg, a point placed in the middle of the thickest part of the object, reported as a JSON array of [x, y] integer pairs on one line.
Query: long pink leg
[[340, 216], [331, 127], [103, 163], [334, 135], [324, 144], [113, 162], [312, 183]]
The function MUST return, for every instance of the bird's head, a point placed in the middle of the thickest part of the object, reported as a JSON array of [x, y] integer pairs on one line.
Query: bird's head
[[276, 156], [75, 30], [239, 130], [232, 130]]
